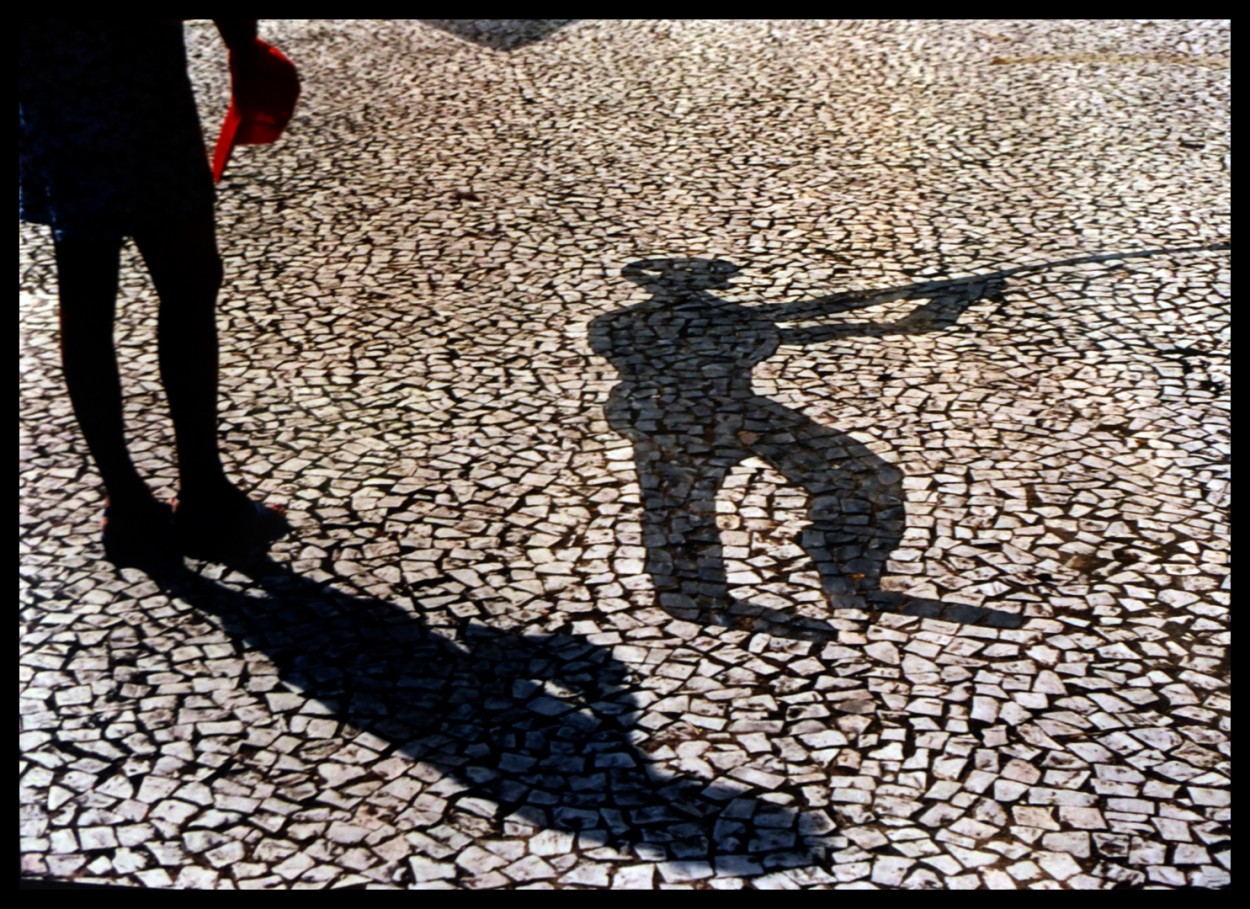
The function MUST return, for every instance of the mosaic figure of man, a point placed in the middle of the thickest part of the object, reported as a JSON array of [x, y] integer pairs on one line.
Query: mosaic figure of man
[[686, 401]]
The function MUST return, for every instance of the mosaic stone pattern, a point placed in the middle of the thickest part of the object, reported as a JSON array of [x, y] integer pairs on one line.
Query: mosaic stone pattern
[[723, 455]]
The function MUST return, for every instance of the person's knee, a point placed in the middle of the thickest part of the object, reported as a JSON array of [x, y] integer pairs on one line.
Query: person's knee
[[214, 272], [191, 288], [87, 272], [183, 261], [203, 270]]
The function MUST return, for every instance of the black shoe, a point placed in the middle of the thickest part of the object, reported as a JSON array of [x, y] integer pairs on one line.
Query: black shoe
[[139, 540], [241, 532]]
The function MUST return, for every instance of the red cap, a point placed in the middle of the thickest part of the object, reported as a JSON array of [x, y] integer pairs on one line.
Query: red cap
[[271, 102]]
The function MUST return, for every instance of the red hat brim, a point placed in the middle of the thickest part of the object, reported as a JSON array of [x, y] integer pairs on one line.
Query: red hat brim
[[271, 104]]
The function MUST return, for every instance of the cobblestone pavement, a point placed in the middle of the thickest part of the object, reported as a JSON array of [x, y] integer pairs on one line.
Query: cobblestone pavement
[[723, 455]]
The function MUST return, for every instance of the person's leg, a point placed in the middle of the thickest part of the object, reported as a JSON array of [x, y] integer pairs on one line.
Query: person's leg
[[855, 505], [186, 270], [87, 270], [684, 552], [214, 517]]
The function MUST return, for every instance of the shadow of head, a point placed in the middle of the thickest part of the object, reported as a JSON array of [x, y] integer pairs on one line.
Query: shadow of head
[[678, 275]]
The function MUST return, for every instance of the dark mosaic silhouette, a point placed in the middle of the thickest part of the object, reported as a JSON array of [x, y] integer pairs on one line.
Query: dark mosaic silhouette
[[538, 725], [686, 401]]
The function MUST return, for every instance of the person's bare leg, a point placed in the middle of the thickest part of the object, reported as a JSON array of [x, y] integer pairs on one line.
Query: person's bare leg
[[87, 271]]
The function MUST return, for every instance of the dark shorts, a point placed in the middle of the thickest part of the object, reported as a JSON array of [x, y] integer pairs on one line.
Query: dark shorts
[[109, 137]]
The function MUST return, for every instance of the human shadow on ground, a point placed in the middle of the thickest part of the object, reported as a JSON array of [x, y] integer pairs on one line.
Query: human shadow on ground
[[686, 402], [500, 34], [538, 725]]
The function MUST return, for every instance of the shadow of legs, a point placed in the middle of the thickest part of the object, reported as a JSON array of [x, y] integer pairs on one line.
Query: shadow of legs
[[542, 726]]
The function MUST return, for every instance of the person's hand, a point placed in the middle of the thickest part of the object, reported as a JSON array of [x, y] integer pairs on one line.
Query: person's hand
[[245, 73]]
